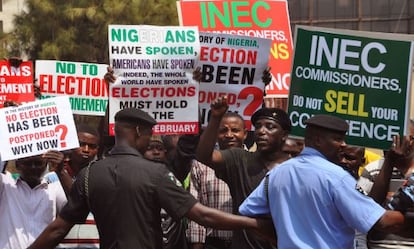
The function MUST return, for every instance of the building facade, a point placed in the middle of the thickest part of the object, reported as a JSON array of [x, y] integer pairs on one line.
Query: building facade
[[391, 16], [9, 8]]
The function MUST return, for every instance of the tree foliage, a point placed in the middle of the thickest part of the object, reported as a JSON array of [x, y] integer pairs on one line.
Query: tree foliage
[[77, 30], [5, 44]]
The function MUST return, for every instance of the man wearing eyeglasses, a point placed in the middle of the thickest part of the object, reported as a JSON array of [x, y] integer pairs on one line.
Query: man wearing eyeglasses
[[28, 204]]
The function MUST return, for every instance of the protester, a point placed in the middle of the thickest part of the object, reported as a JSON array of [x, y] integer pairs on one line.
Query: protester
[[173, 231], [81, 235], [367, 175], [243, 170], [210, 190], [78, 158], [314, 203], [28, 204], [156, 150], [126, 192], [369, 157], [372, 170], [180, 151], [352, 159], [384, 177], [293, 146]]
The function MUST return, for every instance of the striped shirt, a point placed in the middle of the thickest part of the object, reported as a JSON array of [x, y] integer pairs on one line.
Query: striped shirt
[[212, 192]]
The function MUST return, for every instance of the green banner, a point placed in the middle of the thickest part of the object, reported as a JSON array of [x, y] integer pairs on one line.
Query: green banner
[[362, 77]]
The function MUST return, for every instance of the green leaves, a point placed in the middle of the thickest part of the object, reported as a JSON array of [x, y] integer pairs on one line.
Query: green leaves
[[78, 30]]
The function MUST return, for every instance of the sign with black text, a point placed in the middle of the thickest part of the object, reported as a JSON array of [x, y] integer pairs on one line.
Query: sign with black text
[[36, 127], [232, 66], [154, 67]]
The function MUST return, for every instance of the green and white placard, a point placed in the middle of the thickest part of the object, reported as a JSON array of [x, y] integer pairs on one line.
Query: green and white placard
[[362, 77]]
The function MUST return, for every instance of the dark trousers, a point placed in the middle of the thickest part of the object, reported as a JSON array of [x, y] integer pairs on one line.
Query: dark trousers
[[217, 243]]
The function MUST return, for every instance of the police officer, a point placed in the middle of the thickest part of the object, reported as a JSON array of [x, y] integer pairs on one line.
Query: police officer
[[315, 203], [125, 193]]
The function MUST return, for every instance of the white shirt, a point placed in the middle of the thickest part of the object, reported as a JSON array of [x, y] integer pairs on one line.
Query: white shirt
[[25, 212], [1, 165]]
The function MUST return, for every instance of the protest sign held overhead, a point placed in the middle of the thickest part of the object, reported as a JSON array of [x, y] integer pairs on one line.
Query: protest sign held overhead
[[232, 66], [82, 82], [16, 82], [362, 77], [154, 66], [265, 19], [36, 127]]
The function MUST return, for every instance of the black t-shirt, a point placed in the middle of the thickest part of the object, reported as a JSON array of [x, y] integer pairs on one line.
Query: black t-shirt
[[126, 194], [243, 171]]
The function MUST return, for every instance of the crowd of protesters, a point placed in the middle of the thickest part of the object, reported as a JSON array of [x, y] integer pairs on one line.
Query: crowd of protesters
[[209, 190]]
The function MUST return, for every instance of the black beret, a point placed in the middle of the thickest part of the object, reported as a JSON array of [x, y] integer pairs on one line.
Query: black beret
[[276, 114], [136, 116], [328, 122]]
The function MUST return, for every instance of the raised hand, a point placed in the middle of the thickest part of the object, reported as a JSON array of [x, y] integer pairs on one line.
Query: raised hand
[[54, 158], [109, 77], [399, 152], [197, 75], [267, 76], [219, 106]]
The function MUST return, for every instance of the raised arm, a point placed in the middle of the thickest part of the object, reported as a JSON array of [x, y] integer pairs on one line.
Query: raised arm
[[56, 163], [205, 152], [398, 156]]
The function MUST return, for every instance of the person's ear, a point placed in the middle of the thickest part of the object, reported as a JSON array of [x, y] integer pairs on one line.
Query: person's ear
[[285, 136]]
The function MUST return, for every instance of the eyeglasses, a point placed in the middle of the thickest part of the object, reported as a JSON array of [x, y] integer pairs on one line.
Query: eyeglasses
[[83, 144]]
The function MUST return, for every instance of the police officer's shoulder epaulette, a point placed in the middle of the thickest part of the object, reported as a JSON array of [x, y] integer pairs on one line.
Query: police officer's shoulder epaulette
[[360, 189], [172, 177]]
